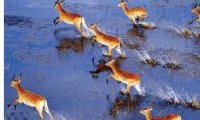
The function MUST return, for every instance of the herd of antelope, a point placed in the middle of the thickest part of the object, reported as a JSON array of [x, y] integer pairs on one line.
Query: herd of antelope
[[135, 14]]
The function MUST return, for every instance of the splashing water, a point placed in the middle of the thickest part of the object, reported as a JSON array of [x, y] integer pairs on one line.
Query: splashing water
[[87, 33], [148, 25], [187, 32], [167, 93], [142, 58], [60, 116], [167, 62]]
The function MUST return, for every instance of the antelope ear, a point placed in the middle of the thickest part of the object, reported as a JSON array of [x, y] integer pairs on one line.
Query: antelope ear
[[196, 5], [112, 61], [18, 81], [150, 108], [61, 1], [20, 75]]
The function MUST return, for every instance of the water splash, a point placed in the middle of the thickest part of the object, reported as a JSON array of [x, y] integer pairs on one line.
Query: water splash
[[187, 32], [164, 61], [182, 97], [87, 33], [63, 116], [147, 25]]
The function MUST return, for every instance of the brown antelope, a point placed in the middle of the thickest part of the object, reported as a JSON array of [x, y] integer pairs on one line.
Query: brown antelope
[[135, 14], [29, 98], [147, 113], [130, 79], [68, 17], [196, 11], [110, 41]]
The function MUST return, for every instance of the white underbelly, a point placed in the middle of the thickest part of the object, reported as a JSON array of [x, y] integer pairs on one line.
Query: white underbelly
[[68, 22], [29, 104]]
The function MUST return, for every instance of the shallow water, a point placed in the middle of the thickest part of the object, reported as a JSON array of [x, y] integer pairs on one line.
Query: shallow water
[[55, 60]]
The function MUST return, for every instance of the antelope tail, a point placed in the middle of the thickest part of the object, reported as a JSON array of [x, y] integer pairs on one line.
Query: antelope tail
[[83, 23], [47, 110], [119, 48], [85, 30]]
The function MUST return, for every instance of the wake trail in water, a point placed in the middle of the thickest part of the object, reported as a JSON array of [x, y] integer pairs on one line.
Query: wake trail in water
[[182, 97]]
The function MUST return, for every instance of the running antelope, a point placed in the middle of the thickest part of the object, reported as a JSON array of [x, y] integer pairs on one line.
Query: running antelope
[[29, 98], [110, 41], [130, 79], [196, 10], [147, 113], [135, 14], [68, 17]]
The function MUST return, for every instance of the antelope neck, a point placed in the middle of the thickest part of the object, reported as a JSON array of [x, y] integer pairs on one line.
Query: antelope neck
[[125, 8], [114, 68], [19, 89], [60, 8], [148, 116], [96, 30]]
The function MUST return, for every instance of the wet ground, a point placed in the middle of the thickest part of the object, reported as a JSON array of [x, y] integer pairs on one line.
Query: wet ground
[[56, 62]]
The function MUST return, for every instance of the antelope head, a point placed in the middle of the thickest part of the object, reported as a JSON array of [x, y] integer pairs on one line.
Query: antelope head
[[196, 9], [122, 3], [16, 80], [93, 26], [146, 110], [112, 62], [57, 3]]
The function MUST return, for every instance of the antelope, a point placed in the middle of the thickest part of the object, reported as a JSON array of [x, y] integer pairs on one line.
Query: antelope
[[196, 11], [135, 14], [130, 79], [68, 17], [111, 42], [147, 113], [29, 98]]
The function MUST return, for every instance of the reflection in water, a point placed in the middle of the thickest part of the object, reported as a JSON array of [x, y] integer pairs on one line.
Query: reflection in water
[[17, 21], [124, 102], [73, 44], [101, 66], [68, 42], [138, 32], [136, 102]]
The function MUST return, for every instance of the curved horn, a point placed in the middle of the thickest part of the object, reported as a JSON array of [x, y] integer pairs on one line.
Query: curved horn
[[13, 76], [196, 5], [60, 1], [57, 1], [20, 75]]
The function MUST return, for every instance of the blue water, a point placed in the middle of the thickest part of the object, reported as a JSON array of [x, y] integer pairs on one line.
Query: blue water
[[62, 75]]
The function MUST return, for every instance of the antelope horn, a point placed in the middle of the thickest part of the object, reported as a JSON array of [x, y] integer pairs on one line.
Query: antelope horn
[[60, 1], [57, 1], [196, 5], [20, 75], [13, 76]]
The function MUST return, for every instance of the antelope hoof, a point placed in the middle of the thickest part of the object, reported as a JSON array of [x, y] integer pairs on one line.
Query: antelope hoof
[[9, 105], [122, 93], [107, 81], [55, 21], [119, 82], [15, 106], [108, 96]]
